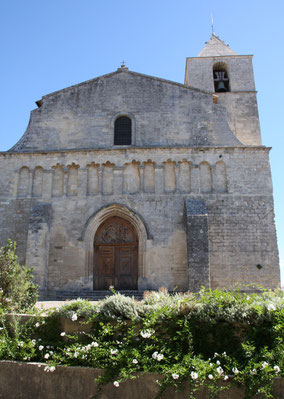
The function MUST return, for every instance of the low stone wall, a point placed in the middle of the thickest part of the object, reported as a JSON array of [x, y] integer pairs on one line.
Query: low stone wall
[[29, 381]]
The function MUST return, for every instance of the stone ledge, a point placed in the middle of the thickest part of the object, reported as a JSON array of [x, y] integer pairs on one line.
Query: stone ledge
[[135, 150]]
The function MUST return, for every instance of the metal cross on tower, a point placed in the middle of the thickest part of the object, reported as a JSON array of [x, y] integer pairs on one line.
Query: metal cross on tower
[[212, 24]]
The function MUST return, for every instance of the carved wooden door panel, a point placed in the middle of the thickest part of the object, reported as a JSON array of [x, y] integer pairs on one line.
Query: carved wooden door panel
[[126, 272], [115, 260], [104, 272]]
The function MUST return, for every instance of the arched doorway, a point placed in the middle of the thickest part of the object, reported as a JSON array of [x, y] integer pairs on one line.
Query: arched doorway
[[115, 255]]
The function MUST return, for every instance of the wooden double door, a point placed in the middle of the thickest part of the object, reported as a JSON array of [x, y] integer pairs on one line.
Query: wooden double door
[[116, 260]]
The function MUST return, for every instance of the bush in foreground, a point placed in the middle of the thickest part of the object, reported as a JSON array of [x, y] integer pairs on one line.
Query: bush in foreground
[[18, 293], [202, 339]]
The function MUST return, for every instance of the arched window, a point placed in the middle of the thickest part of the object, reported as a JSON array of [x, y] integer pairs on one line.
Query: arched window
[[221, 78], [122, 131]]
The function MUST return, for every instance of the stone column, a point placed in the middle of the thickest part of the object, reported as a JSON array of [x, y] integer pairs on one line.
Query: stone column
[[197, 244]]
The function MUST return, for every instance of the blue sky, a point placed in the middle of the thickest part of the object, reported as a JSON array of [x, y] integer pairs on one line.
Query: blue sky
[[46, 46]]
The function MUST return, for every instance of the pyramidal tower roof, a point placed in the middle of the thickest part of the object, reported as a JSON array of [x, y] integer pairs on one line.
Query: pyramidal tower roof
[[215, 47]]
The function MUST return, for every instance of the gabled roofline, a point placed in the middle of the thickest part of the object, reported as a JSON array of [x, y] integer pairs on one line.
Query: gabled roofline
[[120, 70]]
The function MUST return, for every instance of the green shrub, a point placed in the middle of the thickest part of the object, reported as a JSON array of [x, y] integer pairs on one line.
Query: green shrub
[[81, 307], [17, 291], [200, 339], [120, 307]]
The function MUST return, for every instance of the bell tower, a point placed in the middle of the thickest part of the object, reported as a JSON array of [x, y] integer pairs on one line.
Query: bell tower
[[220, 70]]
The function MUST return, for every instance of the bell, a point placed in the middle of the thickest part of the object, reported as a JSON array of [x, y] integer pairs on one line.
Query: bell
[[221, 87]]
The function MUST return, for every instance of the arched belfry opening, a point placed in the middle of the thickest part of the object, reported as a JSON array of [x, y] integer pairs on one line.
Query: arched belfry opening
[[116, 255], [221, 78]]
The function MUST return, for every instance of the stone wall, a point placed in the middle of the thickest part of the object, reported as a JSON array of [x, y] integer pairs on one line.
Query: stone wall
[[162, 113], [30, 381], [49, 203]]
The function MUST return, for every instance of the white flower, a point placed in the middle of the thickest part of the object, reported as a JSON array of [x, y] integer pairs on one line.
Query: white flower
[[74, 317], [146, 333], [113, 351], [76, 354], [271, 307], [210, 376], [37, 325], [41, 347], [116, 384], [226, 377], [49, 369], [224, 354], [135, 361], [175, 376], [46, 356], [276, 369], [218, 363], [264, 365], [235, 370], [215, 354], [194, 375], [43, 322], [62, 334], [253, 372], [157, 356], [219, 370]]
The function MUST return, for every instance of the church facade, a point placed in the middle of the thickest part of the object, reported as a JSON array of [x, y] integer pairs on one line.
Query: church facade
[[137, 182]]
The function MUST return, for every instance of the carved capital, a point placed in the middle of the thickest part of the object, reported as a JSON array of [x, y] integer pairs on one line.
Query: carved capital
[[58, 166], [73, 166], [108, 164], [93, 165], [169, 162], [149, 162], [134, 163]]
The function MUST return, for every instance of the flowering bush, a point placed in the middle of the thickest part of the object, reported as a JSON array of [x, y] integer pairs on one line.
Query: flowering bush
[[213, 339]]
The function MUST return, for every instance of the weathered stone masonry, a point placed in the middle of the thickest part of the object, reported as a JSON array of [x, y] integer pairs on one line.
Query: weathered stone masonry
[[195, 182]]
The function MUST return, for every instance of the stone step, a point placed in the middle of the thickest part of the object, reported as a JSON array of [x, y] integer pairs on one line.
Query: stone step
[[90, 295]]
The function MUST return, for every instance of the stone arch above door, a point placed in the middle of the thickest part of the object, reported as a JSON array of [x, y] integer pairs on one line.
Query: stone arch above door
[[95, 221]]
